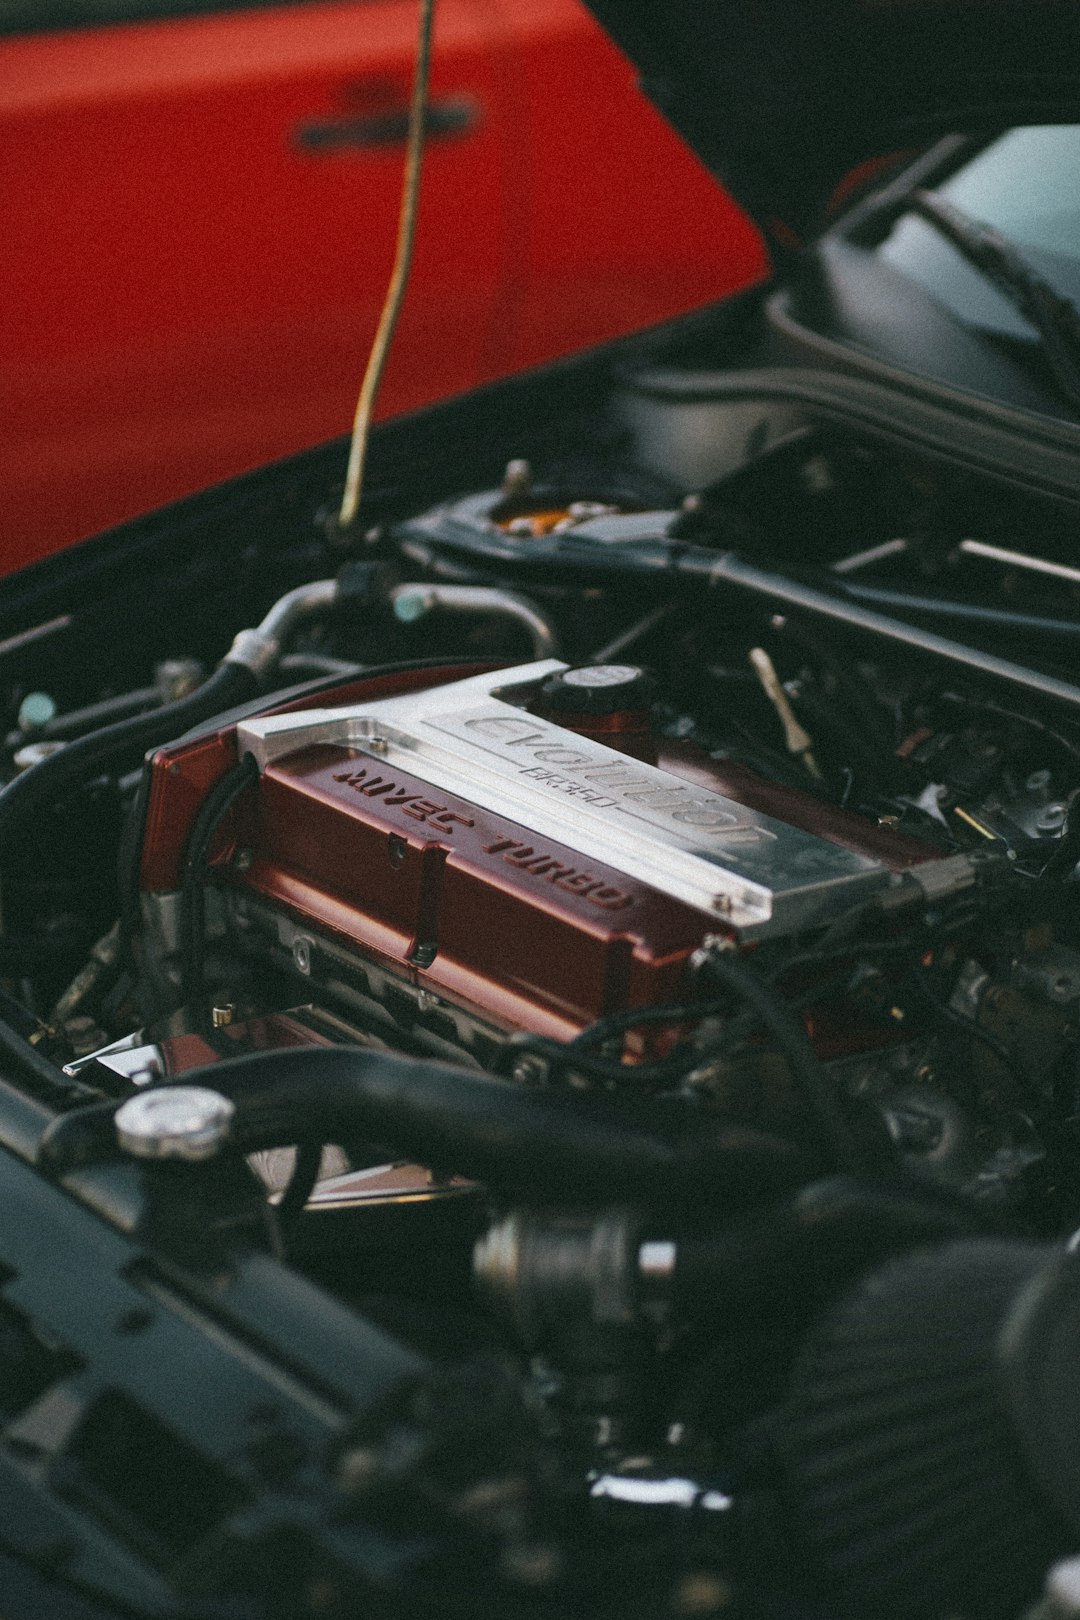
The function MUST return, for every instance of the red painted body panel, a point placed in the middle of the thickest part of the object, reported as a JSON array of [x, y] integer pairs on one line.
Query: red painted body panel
[[189, 292], [625, 226]]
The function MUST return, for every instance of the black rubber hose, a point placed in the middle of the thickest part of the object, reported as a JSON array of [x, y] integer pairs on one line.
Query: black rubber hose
[[65, 726], [770, 1265], [823, 1102], [1009, 1059], [543, 1146], [302, 1182], [192, 925], [113, 748]]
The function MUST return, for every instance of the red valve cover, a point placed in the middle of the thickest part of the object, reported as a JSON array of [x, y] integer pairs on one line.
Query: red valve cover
[[523, 930]]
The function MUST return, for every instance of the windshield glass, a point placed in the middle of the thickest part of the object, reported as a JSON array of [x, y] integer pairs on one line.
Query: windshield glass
[[1025, 184]]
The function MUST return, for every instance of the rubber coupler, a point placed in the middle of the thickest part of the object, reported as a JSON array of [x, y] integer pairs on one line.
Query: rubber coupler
[[904, 1476]]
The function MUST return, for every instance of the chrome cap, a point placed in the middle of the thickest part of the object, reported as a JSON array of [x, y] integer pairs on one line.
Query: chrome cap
[[174, 1122]]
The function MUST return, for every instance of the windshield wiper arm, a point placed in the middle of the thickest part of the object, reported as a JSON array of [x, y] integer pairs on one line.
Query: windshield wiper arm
[[1055, 317]]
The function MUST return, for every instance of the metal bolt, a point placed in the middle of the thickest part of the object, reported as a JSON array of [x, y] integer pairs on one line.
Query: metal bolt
[[33, 753], [529, 1070], [174, 1122], [1051, 817], [243, 859], [701, 1593], [1037, 781], [377, 745], [531, 1564], [222, 1015], [359, 1469], [517, 478], [177, 677], [425, 1001], [301, 953]]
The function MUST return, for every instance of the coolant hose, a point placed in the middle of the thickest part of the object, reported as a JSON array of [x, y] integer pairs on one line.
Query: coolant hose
[[113, 747], [542, 1145], [241, 674]]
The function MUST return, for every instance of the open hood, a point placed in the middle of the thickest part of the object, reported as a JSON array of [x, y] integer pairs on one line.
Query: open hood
[[784, 98]]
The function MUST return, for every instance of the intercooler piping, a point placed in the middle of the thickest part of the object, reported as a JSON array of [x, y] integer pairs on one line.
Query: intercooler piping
[[540, 1145]]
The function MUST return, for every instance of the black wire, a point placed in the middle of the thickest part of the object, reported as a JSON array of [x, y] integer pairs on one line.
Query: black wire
[[24, 1064], [971, 1026], [114, 747], [1057, 738], [1066, 852], [819, 1095], [605, 1029], [664, 1071], [218, 801], [302, 1181], [807, 1073]]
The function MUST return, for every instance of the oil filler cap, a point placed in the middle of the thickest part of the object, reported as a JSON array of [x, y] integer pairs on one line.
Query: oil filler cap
[[599, 689], [174, 1122]]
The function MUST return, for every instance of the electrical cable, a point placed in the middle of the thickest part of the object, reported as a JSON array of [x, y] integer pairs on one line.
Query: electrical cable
[[788, 1031], [971, 1026], [113, 747], [822, 1101], [1057, 738], [1066, 855], [399, 279], [192, 925], [302, 1182]]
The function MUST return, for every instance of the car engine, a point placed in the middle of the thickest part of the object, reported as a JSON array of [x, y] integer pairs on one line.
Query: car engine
[[560, 1055]]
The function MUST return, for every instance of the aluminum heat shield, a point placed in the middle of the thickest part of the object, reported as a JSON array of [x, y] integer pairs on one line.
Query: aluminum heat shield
[[471, 738]]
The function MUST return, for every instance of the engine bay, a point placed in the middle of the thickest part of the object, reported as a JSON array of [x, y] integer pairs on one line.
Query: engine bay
[[606, 931]]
